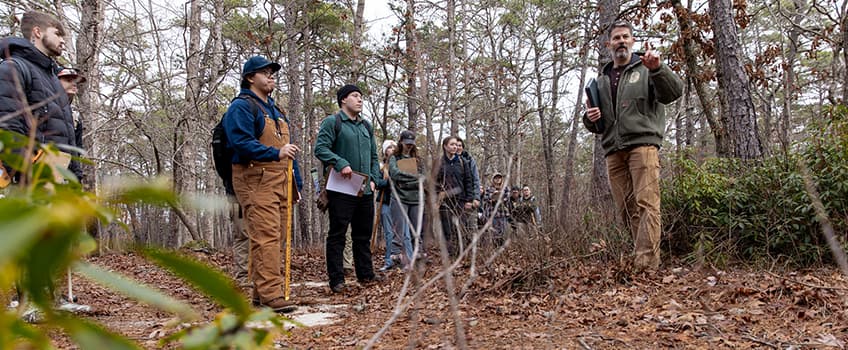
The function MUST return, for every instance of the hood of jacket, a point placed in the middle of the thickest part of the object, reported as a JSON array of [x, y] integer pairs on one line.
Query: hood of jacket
[[21, 47]]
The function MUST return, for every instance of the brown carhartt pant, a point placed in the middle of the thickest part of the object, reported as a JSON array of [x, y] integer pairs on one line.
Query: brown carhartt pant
[[634, 179], [262, 190], [241, 244]]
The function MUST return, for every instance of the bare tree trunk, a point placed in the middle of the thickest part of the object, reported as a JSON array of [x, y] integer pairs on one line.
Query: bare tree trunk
[[544, 127], [88, 98], [358, 29], [451, 86], [313, 218], [695, 73], [738, 112], [601, 195], [789, 88], [568, 179], [295, 108], [844, 26], [411, 66]]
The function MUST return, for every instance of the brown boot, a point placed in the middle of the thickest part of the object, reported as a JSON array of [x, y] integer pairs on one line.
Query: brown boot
[[281, 305]]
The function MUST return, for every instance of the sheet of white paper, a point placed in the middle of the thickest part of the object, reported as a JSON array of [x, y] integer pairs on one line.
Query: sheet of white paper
[[337, 183]]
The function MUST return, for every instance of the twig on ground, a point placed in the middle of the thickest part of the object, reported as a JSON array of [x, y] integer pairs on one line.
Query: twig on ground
[[805, 283], [759, 341], [527, 272], [583, 344]]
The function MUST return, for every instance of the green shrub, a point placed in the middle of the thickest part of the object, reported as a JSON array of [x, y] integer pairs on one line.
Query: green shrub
[[730, 209]]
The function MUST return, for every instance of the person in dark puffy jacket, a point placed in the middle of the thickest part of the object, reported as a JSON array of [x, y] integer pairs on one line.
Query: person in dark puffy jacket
[[28, 78], [454, 187]]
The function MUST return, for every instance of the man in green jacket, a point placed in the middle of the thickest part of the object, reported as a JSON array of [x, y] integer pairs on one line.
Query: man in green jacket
[[633, 90], [350, 149]]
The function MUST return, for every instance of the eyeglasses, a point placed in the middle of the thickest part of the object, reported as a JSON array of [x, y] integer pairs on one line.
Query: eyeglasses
[[268, 73]]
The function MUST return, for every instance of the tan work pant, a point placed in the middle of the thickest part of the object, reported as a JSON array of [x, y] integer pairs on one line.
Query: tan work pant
[[634, 179], [241, 244], [261, 190]]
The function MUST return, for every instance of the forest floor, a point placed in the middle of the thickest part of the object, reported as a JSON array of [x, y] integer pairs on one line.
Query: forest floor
[[568, 304]]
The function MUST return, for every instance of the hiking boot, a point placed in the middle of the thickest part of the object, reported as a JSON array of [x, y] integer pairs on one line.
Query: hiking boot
[[281, 305], [338, 287], [372, 280]]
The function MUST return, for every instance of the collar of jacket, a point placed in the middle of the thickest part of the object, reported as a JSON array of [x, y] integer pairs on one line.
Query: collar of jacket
[[269, 104], [635, 59], [23, 48]]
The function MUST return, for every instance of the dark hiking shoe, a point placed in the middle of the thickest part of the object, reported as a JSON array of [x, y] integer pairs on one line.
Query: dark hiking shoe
[[338, 287], [372, 280], [281, 305]]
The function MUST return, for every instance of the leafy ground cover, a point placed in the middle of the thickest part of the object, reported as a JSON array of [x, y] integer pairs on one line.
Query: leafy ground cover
[[577, 305]]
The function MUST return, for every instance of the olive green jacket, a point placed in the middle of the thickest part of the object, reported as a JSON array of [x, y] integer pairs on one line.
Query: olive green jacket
[[353, 147], [638, 117]]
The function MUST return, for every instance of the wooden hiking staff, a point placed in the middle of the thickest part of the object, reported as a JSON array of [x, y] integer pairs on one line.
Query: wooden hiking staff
[[289, 194], [376, 223]]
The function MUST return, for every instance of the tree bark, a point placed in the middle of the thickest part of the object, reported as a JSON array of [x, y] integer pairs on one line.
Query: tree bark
[[738, 111], [601, 195], [695, 72], [183, 143], [568, 179], [358, 30], [450, 71], [411, 66], [88, 98]]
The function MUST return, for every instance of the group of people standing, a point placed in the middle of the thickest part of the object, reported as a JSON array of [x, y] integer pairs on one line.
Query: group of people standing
[[630, 115]]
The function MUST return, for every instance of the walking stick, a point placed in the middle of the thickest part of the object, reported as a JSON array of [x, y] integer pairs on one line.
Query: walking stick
[[376, 223], [290, 175]]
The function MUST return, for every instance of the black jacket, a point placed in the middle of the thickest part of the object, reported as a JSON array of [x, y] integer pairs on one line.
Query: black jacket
[[55, 122], [455, 181]]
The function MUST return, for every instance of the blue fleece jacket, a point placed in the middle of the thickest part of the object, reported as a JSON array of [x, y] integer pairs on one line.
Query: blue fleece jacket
[[244, 128]]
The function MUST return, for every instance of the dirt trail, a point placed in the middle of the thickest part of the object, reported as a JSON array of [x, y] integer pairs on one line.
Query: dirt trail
[[584, 306]]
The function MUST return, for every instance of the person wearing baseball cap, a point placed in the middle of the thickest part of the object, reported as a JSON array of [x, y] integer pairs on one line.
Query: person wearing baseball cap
[[258, 133], [346, 143], [69, 78]]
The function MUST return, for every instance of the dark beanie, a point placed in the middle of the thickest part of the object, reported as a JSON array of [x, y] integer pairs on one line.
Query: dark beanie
[[344, 91]]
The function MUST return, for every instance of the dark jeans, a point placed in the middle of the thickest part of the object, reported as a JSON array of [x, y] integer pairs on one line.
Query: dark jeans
[[448, 214], [358, 212]]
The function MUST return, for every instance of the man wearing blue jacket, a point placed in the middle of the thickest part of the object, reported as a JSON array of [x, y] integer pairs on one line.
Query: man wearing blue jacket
[[259, 135]]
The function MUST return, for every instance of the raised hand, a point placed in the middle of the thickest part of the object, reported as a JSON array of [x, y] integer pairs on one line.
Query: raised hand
[[651, 58]]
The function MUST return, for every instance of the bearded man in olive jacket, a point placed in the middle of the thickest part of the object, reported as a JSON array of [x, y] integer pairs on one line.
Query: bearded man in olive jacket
[[633, 91]]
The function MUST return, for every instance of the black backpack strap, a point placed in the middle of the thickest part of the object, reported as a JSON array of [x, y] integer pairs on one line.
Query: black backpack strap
[[338, 126], [255, 108], [25, 74]]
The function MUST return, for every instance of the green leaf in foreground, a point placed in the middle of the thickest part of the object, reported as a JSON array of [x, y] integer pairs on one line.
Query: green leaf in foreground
[[209, 281], [135, 290]]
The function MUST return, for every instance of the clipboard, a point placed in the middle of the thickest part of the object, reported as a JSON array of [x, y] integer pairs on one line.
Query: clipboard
[[592, 93], [354, 186], [594, 97], [408, 165]]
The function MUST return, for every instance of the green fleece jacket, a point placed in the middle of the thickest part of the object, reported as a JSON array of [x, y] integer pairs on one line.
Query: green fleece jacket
[[638, 117], [353, 147], [406, 184]]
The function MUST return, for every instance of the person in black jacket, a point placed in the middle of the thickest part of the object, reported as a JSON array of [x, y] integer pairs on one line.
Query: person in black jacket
[[469, 217], [28, 73], [454, 186]]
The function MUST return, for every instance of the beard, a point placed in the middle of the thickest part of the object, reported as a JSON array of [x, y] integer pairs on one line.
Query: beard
[[621, 54]]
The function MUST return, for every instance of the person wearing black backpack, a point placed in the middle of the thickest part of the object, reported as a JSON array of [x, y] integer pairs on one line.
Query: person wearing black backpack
[[345, 142], [262, 155], [28, 73]]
